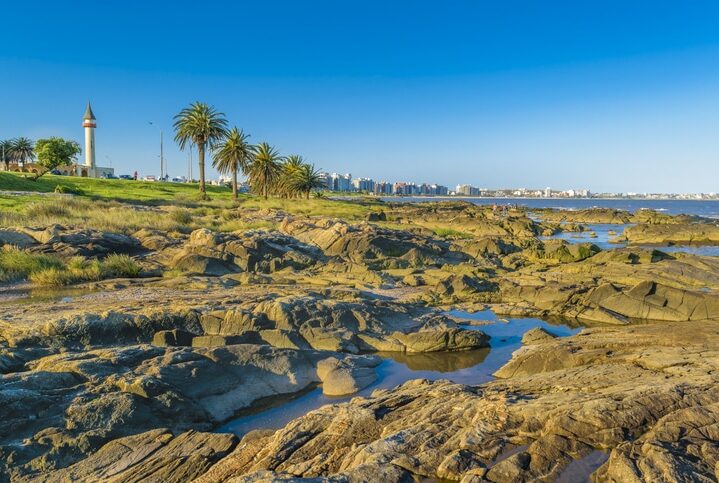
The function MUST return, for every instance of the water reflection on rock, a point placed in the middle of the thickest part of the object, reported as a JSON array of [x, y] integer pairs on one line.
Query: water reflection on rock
[[438, 361]]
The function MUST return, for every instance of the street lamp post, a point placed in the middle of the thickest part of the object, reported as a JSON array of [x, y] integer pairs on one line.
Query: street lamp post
[[162, 157]]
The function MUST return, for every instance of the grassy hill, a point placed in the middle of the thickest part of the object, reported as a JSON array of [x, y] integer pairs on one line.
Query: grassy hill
[[37, 198], [110, 189]]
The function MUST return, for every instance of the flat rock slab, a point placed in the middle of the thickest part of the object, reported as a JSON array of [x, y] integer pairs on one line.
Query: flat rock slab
[[154, 455]]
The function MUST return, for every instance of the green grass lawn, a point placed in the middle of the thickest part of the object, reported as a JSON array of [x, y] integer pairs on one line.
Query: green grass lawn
[[94, 204], [112, 189]]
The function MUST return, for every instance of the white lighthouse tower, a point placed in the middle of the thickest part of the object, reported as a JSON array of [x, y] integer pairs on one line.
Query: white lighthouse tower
[[88, 122]]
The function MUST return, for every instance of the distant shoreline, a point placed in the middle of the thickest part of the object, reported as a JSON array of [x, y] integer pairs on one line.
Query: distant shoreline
[[429, 197]]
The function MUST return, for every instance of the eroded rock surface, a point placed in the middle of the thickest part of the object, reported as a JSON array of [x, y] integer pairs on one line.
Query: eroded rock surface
[[623, 391], [71, 241], [64, 406], [254, 314], [675, 233], [211, 253], [155, 455], [372, 245]]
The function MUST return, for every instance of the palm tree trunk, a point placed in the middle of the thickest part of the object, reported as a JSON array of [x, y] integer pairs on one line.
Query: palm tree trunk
[[201, 161], [307, 195], [234, 184]]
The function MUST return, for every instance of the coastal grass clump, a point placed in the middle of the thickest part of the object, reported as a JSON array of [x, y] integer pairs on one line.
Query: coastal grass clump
[[313, 207], [50, 270], [450, 233], [80, 269], [16, 264], [40, 212], [100, 215], [119, 266], [181, 216]]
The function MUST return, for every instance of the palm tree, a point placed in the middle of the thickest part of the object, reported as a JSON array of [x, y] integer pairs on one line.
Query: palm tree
[[293, 163], [6, 153], [203, 126], [308, 178], [234, 154], [265, 169], [23, 150]]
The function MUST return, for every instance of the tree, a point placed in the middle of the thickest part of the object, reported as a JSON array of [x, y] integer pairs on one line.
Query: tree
[[308, 178], [265, 169], [234, 154], [53, 152], [286, 185], [6, 153], [22, 150], [203, 126]]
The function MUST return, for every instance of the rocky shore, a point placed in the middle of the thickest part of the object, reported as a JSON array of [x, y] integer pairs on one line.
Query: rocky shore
[[127, 379]]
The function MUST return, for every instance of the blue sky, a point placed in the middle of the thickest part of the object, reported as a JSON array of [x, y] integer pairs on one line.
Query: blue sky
[[620, 96]]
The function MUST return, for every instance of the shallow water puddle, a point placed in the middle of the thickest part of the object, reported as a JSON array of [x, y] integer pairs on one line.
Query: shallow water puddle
[[578, 471], [464, 367], [29, 295], [601, 233], [598, 233]]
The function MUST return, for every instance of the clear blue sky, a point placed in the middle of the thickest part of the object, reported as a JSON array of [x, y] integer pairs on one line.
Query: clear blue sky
[[611, 95]]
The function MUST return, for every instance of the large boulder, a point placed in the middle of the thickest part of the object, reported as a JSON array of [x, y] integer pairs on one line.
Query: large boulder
[[15, 238], [463, 286], [590, 215], [69, 241], [172, 338], [156, 240], [673, 233], [538, 335], [648, 300], [341, 325], [211, 253], [372, 245], [443, 340], [196, 264], [561, 251], [347, 375], [100, 329]]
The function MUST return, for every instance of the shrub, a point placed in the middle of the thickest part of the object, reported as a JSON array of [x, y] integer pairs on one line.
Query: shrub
[[53, 277], [51, 271], [82, 270], [18, 264], [115, 266], [181, 216], [40, 210], [69, 189]]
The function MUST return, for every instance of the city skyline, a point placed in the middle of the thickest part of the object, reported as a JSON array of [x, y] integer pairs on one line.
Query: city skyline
[[524, 103]]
